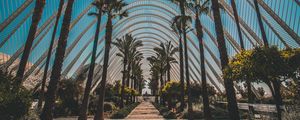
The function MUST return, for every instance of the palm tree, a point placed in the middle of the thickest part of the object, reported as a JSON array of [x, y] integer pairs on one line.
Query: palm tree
[[133, 56], [85, 101], [155, 72], [36, 17], [182, 6], [42, 91], [167, 51], [185, 29], [125, 45], [200, 8], [236, 18], [58, 63], [177, 28], [230, 92], [261, 25], [137, 75], [113, 9]]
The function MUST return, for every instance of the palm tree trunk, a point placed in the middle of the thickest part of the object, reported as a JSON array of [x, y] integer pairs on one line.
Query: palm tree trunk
[[298, 88], [182, 104], [161, 84], [230, 92], [128, 74], [261, 25], [236, 17], [169, 72], [85, 101], [277, 97], [42, 91], [250, 99], [123, 82], [187, 74], [58, 63], [128, 79], [37, 15], [156, 90], [207, 113], [99, 114]]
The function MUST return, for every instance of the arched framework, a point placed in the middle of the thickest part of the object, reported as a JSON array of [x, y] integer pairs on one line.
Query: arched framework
[[149, 21]]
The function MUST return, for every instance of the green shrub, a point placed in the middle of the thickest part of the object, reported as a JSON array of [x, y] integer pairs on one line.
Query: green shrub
[[169, 115], [109, 107], [13, 104], [122, 113], [195, 115], [164, 111], [68, 97]]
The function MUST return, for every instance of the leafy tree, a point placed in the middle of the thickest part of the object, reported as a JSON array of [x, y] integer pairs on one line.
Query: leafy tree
[[171, 93], [68, 97], [241, 69], [291, 57], [264, 64], [14, 105], [270, 67]]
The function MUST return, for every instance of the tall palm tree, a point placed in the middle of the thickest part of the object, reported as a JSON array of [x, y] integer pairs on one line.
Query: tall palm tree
[[58, 63], [42, 91], [85, 101], [136, 75], [36, 17], [167, 51], [126, 44], [177, 28], [230, 92], [155, 66], [133, 56], [236, 18], [185, 20], [113, 9], [201, 7], [261, 25], [182, 6]]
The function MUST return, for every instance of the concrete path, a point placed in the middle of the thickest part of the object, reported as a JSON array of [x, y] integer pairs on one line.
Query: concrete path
[[145, 111]]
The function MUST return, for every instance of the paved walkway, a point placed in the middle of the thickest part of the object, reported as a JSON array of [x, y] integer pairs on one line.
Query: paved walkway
[[145, 111]]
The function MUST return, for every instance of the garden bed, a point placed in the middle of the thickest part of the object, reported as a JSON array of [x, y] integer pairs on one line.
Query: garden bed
[[124, 112]]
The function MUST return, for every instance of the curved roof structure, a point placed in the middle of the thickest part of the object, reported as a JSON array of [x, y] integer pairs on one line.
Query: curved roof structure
[[149, 21]]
